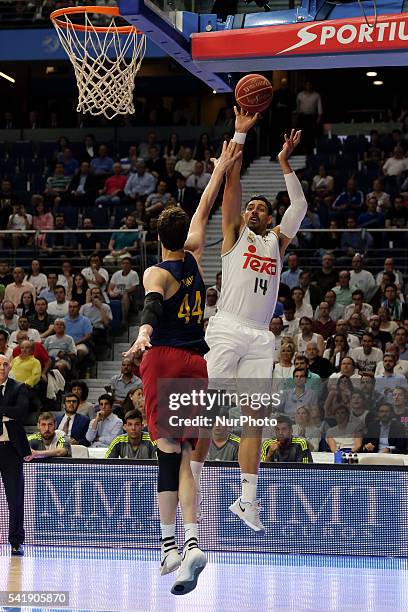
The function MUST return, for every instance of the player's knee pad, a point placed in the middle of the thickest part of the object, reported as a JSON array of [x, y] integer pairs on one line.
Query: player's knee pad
[[169, 471]]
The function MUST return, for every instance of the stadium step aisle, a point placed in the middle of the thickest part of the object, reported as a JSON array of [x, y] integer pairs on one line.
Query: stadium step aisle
[[211, 260], [97, 386], [263, 176]]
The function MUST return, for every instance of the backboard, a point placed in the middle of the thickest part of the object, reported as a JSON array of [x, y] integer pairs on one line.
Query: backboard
[[315, 34]]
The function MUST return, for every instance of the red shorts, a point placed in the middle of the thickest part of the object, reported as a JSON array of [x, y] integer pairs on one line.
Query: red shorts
[[167, 372]]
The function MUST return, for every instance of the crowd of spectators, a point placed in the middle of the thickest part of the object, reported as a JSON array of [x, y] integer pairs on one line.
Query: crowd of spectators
[[341, 360], [356, 183], [336, 323], [85, 185], [340, 372]]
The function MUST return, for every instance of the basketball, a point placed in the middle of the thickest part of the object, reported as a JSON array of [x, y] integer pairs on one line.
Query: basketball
[[254, 93]]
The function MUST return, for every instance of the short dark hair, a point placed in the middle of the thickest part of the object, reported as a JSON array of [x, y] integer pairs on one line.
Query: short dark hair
[[4, 333], [172, 228], [93, 255], [82, 385], [59, 287], [46, 416], [263, 199], [281, 419], [70, 394], [289, 305], [357, 292], [392, 285], [107, 397], [342, 407], [133, 414], [303, 358], [351, 359], [381, 404], [391, 276]]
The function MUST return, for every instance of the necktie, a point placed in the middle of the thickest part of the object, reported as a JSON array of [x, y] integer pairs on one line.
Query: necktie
[[65, 429]]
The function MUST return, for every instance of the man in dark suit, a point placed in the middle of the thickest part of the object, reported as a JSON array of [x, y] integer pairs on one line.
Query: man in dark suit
[[14, 448], [83, 187], [186, 196], [312, 293], [385, 435], [72, 424]]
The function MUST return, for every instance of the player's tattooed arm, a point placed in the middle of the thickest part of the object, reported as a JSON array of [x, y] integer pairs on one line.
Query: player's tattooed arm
[[196, 235], [231, 203]]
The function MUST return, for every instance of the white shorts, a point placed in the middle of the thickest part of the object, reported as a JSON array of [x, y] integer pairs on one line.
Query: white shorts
[[239, 351]]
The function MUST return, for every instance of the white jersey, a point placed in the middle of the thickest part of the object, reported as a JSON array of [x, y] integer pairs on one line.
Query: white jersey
[[250, 278], [301, 344]]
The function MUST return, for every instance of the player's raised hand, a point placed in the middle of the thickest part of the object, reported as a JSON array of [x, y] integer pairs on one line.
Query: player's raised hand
[[228, 157], [244, 121], [290, 143]]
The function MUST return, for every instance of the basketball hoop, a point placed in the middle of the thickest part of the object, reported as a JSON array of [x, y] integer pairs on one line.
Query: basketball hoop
[[106, 59]]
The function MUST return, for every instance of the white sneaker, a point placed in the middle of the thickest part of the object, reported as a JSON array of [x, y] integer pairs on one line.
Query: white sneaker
[[249, 513], [170, 561], [193, 563], [199, 506]]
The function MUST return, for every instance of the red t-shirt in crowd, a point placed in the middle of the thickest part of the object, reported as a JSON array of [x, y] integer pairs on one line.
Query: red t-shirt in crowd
[[113, 183]]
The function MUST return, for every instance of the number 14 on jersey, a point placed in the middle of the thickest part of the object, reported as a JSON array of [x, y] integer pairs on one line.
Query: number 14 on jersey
[[261, 285]]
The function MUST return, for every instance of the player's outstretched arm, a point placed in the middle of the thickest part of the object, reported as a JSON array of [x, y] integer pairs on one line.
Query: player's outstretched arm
[[294, 215], [196, 235], [154, 282], [232, 200]]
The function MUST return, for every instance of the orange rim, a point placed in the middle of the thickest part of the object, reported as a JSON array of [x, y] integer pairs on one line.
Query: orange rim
[[113, 11]]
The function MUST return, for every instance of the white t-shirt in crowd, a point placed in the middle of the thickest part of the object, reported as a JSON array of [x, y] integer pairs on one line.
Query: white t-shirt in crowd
[[58, 310], [19, 222], [395, 167], [366, 363], [90, 277], [290, 328], [39, 282], [122, 282], [33, 334], [345, 437], [333, 378], [301, 344], [304, 311]]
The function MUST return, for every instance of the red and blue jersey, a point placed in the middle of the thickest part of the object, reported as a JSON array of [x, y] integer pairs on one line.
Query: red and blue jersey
[[181, 324]]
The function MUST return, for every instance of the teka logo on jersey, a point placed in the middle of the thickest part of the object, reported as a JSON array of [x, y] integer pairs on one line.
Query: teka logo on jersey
[[390, 32], [262, 265]]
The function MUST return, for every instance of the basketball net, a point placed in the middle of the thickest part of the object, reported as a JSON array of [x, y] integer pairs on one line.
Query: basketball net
[[106, 61]]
